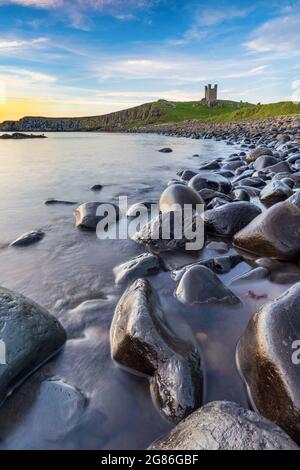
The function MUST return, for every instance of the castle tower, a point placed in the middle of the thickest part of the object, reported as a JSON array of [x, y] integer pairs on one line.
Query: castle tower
[[211, 95]]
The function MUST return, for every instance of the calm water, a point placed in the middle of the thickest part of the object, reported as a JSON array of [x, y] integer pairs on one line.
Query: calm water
[[70, 273]]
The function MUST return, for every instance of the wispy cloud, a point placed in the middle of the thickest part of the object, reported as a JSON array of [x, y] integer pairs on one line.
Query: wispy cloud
[[79, 11], [8, 44], [278, 35]]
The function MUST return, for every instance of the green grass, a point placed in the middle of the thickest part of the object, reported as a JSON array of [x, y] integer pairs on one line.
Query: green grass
[[225, 111]]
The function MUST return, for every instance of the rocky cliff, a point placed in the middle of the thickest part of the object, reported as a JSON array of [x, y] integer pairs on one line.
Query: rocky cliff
[[109, 122]]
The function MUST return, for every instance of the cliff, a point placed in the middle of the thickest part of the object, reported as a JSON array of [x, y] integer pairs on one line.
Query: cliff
[[146, 113]]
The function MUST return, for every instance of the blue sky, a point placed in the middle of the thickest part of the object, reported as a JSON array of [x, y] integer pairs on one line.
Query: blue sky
[[82, 57]]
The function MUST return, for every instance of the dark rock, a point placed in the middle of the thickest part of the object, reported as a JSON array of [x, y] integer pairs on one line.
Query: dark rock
[[252, 182], [187, 175], [241, 195], [264, 161], [96, 187], [140, 266], [217, 246], [142, 340], [224, 426], [141, 208], [213, 181], [166, 150], [31, 336], [254, 275], [274, 192], [200, 285], [266, 354], [87, 214], [28, 238], [229, 219], [231, 166], [52, 201], [274, 233], [176, 196], [281, 167], [213, 165], [258, 152], [19, 135]]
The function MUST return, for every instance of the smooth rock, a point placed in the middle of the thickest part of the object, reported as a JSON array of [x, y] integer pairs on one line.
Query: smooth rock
[[229, 219], [274, 233], [142, 340], [166, 150], [258, 152], [223, 425], [86, 214], [28, 238], [264, 161], [200, 285], [140, 266], [254, 275], [176, 196], [213, 181], [274, 192], [31, 336], [269, 362]]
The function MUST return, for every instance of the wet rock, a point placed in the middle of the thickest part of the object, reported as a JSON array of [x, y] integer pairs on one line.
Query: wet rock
[[166, 150], [140, 266], [253, 181], [229, 219], [213, 165], [31, 336], [224, 425], [87, 214], [176, 196], [52, 201], [281, 167], [96, 187], [187, 175], [154, 234], [218, 246], [251, 190], [142, 340], [241, 195], [216, 202], [256, 274], [265, 357], [209, 194], [264, 161], [28, 238], [141, 208], [274, 192], [213, 181], [231, 166], [258, 152], [200, 285], [274, 233], [57, 409]]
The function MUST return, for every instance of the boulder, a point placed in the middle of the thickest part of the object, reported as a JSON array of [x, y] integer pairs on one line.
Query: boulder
[[258, 152], [264, 161], [224, 425], [166, 150], [274, 233], [176, 196], [200, 285], [87, 214], [31, 336], [274, 192], [268, 359], [140, 266], [228, 219], [213, 181], [28, 238], [142, 340]]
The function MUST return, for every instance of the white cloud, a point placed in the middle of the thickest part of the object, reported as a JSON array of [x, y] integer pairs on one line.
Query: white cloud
[[212, 17], [18, 76], [248, 73], [20, 43], [278, 35]]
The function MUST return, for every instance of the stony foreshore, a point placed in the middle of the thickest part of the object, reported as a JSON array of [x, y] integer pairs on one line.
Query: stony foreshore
[[266, 129]]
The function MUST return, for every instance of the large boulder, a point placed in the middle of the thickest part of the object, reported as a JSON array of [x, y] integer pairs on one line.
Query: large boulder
[[223, 425], [228, 219], [264, 161], [162, 233], [268, 358], [274, 233], [213, 181], [258, 152], [201, 285], [275, 191], [29, 336], [176, 196], [142, 340]]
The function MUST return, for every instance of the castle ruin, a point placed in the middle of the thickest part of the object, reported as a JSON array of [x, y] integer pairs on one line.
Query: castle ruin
[[211, 95]]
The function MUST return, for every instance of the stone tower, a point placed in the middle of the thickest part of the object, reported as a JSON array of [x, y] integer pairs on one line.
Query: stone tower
[[211, 95]]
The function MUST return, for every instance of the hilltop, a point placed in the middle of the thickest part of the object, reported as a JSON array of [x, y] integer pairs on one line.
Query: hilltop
[[159, 112]]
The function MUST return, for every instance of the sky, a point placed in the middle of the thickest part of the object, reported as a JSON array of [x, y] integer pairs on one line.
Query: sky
[[91, 57]]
